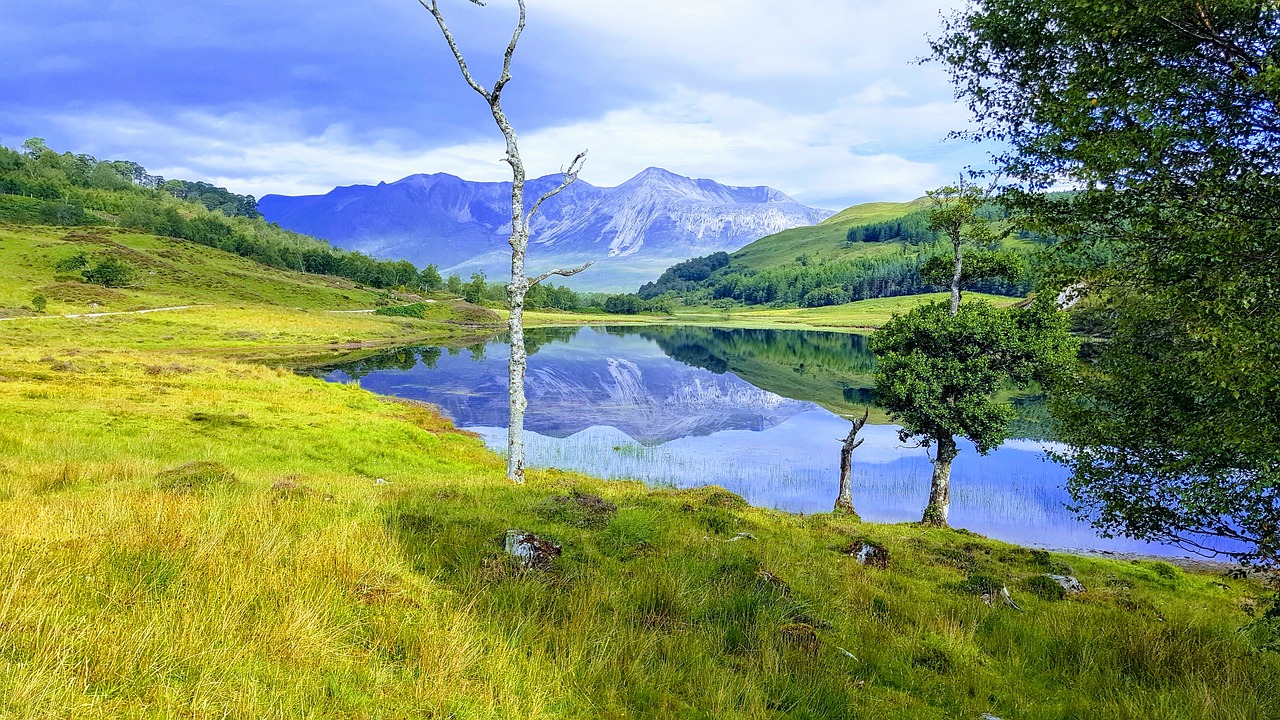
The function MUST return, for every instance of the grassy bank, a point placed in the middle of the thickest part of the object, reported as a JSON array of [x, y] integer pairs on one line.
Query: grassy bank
[[860, 316], [186, 531]]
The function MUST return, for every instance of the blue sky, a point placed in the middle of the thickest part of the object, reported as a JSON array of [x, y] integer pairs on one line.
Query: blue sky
[[823, 101]]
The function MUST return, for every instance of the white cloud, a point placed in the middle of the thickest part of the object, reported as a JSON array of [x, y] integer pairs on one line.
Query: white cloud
[[841, 153]]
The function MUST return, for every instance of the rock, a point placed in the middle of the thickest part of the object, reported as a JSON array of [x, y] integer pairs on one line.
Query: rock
[[741, 536], [1068, 583], [869, 554], [529, 550], [987, 716]]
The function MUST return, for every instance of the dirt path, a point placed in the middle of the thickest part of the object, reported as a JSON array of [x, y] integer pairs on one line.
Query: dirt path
[[106, 314]]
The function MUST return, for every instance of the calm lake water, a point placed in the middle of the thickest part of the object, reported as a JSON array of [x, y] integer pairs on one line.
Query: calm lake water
[[756, 411]]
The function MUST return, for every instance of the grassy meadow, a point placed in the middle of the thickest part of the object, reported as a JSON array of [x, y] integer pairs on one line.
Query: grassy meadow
[[861, 316], [188, 528]]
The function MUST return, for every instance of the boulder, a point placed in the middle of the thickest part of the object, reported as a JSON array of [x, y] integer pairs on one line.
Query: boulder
[[529, 550], [870, 554], [1068, 583]]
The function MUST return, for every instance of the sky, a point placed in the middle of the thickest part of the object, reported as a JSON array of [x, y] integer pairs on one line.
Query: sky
[[822, 99]]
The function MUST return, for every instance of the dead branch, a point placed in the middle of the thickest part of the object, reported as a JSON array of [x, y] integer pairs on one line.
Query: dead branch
[[563, 273], [570, 176], [433, 7]]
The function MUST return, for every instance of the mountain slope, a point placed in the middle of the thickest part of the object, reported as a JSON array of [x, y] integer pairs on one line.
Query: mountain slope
[[825, 240], [633, 230]]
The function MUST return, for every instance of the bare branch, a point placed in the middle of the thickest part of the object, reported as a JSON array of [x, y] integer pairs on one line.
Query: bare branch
[[506, 57], [570, 176], [563, 273], [433, 7]]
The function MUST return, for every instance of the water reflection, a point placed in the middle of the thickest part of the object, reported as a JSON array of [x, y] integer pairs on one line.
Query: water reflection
[[755, 411]]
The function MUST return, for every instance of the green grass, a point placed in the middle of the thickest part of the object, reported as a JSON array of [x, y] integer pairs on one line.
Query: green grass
[[185, 533], [825, 241], [859, 316], [167, 272]]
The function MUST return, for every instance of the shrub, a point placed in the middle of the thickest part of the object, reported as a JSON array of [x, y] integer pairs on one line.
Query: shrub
[[416, 310], [71, 264], [109, 272], [39, 303]]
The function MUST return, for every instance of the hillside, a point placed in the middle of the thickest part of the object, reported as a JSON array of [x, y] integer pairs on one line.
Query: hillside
[[632, 231], [825, 240], [864, 252]]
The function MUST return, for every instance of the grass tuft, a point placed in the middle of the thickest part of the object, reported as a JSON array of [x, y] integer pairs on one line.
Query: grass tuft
[[195, 476]]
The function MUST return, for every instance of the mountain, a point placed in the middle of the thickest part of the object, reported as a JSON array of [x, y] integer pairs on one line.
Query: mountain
[[633, 231], [600, 378]]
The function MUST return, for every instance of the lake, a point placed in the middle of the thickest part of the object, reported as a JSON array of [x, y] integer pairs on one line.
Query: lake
[[759, 412]]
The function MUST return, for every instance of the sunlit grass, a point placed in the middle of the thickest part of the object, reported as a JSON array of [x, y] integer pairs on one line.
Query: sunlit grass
[[335, 555]]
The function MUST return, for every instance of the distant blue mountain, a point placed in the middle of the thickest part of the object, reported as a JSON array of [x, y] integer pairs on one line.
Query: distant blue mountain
[[634, 230]]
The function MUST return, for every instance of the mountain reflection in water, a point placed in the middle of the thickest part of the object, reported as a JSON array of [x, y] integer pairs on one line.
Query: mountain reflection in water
[[755, 411]]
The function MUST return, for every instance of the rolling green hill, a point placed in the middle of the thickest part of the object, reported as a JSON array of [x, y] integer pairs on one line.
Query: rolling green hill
[[867, 251], [826, 240]]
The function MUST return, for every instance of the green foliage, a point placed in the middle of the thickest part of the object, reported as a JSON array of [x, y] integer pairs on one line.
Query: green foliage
[[42, 186], [938, 375], [430, 279], [978, 265], [214, 198], [414, 310], [980, 584], [912, 228], [684, 276], [39, 304], [70, 212], [474, 291], [1163, 115], [109, 272], [71, 263]]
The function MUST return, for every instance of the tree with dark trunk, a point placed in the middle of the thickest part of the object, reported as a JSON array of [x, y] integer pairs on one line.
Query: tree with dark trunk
[[844, 500], [520, 283], [938, 375]]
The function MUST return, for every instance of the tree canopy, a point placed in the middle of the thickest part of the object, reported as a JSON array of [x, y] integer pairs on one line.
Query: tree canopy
[[1164, 116]]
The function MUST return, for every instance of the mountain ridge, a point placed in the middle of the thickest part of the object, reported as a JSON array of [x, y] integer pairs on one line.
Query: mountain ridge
[[633, 230]]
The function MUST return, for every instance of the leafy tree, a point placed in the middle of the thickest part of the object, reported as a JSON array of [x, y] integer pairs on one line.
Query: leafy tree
[[110, 272], [430, 279], [474, 290], [938, 374], [977, 266], [954, 212], [70, 212], [454, 285], [1166, 117]]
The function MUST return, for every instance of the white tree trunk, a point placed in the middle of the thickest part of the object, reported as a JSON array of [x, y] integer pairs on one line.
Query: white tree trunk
[[520, 282], [956, 276]]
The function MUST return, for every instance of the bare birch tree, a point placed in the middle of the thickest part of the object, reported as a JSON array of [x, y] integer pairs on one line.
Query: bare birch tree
[[520, 282]]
